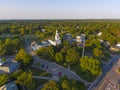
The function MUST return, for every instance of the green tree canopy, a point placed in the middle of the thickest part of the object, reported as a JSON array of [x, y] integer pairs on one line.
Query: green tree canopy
[[51, 85], [59, 57], [97, 52], [91, 64], [3, 79], [24, 58], [26, 79], [72, 56]]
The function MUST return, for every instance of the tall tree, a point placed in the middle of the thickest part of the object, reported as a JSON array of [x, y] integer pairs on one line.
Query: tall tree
[[72, 56], [59, 57], [91, 64], [24, 58], [51, 85], [3, 79], [26, 79]]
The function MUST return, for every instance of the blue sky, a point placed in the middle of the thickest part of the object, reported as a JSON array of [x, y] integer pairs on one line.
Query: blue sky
[[59, 9]]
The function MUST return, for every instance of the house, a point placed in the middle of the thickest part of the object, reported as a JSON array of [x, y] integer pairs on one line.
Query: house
[[118, 45], [43, 30], [99, 33], [114, 48], [9, 86], [80, 38], [9, 66], [35, 46], [68, 36]]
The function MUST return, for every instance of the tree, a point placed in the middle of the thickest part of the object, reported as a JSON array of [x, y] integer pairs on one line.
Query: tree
[[24, 58], [65, 43], [42, 52], [51, 85], [59, 57], [72, 56], [26, 79], [92, 65], [65, 85], [3, 49], [51, 52], [3, 79], [16, 43], [3, 59], [70, 84], [22, 31], [8, 44], [97, 52]]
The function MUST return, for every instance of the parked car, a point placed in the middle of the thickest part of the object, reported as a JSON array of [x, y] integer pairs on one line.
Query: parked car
[[43, 65], [46, 67], [59, 73]]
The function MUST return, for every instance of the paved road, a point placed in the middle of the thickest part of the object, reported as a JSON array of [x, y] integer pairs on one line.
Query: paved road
[[106, 68], [54, 69]]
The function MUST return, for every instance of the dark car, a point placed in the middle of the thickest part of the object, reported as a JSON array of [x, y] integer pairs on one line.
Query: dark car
[[46, 67], [59, 73], [43, 66], [88, 85]]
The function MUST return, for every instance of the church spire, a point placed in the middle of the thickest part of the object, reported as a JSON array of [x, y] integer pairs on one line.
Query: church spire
[[57, 38]]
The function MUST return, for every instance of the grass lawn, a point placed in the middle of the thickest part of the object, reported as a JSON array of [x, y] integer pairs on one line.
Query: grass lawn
[[39, 82], [85, 75], [39, 72]]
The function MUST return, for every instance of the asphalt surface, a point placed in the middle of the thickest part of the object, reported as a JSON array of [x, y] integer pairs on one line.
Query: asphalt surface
[[55, 69]]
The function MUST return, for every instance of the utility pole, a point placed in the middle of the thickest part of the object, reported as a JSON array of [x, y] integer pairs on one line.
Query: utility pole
[[83, 51]]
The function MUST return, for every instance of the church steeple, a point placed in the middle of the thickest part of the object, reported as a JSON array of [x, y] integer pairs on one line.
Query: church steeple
[[57, 38]]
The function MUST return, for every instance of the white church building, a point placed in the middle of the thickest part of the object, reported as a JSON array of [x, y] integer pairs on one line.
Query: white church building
[[57, 41]]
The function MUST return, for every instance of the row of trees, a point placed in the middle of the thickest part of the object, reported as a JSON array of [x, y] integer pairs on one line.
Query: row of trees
[[22, 78], [64, 84], [64, 56], [25, 79], [109, 28], [70, 55], [10, 46]]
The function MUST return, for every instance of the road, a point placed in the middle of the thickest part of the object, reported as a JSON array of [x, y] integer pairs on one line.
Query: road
[[53, 68], [106, 68]]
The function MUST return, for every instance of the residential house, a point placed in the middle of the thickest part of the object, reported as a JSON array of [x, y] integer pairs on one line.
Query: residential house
[[9, 66], [118, 45], [80, 38], [114, 48], [99, 33], [9, 86]]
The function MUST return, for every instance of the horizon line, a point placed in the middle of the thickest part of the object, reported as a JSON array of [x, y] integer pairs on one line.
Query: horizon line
[[66, 19]]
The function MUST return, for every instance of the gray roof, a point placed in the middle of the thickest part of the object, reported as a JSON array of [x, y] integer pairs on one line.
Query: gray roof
[[9, 86]]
